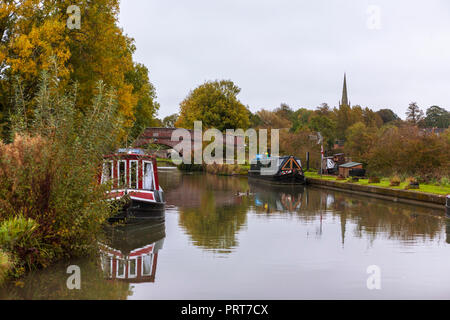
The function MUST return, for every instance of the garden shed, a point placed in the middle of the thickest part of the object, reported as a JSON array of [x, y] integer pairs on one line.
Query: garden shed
[[344, 169]]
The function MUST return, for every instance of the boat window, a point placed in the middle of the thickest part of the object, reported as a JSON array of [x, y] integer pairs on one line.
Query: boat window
[[121, 264], [107, 173], [148, 175], [132, 268], [122, 172], [147, 265], [133, 174], [107, 265]]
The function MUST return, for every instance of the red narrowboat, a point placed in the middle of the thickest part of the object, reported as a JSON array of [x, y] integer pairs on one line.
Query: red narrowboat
[[134, 176]]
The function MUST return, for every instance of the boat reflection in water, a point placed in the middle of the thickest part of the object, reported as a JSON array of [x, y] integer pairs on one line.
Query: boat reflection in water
[[277, 198], [132, 253]]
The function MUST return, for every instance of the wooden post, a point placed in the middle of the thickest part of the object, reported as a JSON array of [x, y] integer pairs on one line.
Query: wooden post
[[307, 161]]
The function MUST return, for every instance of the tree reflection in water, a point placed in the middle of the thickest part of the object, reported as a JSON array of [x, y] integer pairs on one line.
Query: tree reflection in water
[[213, 209]]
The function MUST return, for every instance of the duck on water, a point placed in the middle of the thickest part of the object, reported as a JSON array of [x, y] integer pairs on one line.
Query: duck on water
[[277, 170], [134, 176]]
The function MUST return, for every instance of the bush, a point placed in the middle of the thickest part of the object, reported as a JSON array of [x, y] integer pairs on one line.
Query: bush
[[395, 181], [51, 205], [223, 169], [5, 266], [374, 179], [445, 181], [412, 183]]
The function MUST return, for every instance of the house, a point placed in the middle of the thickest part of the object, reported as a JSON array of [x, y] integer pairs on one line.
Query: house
[[344, 169]]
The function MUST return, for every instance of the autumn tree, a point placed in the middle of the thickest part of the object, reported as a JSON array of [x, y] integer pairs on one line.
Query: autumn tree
[[414, 114], [35, 31], [215, 103], [360, 138]]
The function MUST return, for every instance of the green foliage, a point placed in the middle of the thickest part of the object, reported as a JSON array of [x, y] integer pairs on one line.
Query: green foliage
[[387, 115], [169, 121], [146, 107], [437, 117], [214, 103]]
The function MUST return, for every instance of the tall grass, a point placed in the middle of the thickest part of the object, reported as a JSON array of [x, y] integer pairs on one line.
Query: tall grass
[[49, 173]]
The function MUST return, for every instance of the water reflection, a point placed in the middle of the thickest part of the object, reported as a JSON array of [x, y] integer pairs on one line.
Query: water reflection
[[242, 222], [132, 254], [129, 254], [213, 209]]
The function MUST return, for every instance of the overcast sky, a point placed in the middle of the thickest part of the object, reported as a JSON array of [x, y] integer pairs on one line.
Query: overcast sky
[[294, 51]]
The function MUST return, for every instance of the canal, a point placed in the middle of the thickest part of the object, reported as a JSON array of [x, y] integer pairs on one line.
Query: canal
[[226, 238]]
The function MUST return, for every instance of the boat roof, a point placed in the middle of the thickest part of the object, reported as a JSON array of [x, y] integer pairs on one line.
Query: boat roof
[[274, 158], [133, 152], [350, 164]]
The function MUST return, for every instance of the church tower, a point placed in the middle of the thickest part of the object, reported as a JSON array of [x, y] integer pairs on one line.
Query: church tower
[[344, 101]]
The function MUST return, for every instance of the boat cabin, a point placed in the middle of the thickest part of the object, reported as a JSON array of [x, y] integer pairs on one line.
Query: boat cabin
[[130, 169]]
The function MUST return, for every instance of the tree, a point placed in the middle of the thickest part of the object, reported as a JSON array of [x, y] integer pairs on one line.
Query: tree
[[414, 114], [270, 119], [285, 112], [387, 115], [359, 140], [214, 103], [325, 126], [169, 121], [437, 117], [301, 119], [145, 110], [371, 118], [34, 35], [323, 109]]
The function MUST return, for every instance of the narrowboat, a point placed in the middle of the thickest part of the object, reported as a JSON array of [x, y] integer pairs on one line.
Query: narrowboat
[[132, 253], [277, 170], [136, 188]]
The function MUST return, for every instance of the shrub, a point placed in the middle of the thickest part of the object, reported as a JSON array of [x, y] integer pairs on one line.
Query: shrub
[[50, 199], [445, 181], [412, 183], [5, 266], [374, 179], [395, 181], [223, 169]]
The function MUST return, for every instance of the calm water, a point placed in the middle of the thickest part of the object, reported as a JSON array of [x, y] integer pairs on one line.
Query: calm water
[[220, 242]]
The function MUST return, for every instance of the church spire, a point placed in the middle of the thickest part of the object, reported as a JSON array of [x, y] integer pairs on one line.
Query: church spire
[[344, 100]]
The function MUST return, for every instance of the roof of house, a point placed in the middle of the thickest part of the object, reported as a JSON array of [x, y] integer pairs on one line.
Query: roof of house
[[350, 164]]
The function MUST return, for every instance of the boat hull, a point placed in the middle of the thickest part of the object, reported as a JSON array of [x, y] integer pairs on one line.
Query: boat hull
[[288, 179], [136, 209]]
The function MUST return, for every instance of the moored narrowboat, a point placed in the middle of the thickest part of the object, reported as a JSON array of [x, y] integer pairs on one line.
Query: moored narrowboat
[[277, 170], [134, 176]]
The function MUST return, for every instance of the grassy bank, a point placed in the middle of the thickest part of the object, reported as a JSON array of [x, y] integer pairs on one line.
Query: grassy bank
[[385, 183]]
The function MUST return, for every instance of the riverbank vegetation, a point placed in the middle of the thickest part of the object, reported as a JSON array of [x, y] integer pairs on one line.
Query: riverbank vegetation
[[67, 96], [52, 206]]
